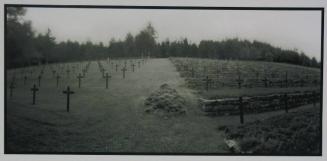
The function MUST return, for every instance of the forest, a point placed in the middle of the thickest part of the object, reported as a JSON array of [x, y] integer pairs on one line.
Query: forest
[[25, 47]]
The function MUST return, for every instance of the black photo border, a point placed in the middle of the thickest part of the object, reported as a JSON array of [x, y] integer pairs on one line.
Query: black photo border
[[321, 9]]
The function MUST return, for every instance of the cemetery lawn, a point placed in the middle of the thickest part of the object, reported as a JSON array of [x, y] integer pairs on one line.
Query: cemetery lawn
[[113, 119], [294, 133]]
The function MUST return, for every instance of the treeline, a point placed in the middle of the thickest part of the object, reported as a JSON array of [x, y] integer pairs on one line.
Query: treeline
[[24, 47]]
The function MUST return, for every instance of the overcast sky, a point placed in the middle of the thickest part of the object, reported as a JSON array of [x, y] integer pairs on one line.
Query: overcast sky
[[286, 29]]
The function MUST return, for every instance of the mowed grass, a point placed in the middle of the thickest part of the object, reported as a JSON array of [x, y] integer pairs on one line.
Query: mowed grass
[[107, 120], [224, 75], [111, 120]]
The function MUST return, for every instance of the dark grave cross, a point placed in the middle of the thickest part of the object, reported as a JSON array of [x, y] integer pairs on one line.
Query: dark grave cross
[[68, 92], [79, 77], [11, 87], [39, 80], [286, 81], [107, 77], [58, 77], [139, 64], [34, 89], [124, 70], [207, 80], [239, 81], [133, 66], [241, 110], [265, 81]]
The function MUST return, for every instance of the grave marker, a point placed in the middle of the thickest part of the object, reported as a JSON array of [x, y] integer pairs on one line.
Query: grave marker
[[68, 92], [133, 66], [124, 70], [239, 81], [79, 77], [286, 102], [107, 77], [265, 80], [207, 80], [286, 80], [39, 80], [241, 110], [34, 89]]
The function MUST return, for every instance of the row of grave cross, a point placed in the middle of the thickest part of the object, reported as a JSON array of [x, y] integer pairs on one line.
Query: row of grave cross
[[34, 89], [68, 91]]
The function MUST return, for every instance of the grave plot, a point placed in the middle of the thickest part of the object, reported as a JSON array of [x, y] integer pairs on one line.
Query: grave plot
[[244, 74], [114, 105], [297, 134]]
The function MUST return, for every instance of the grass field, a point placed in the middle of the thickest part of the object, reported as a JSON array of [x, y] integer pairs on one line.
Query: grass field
[[113, 119], [256, 78], [295, 133]]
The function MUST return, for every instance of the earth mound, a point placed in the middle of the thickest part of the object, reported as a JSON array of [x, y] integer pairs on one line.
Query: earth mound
[[165, 101]]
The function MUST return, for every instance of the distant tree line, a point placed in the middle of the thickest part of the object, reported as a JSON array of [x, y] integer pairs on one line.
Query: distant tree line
[[25, 47]]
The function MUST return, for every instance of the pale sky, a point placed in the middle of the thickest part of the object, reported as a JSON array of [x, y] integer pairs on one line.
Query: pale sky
[[286, 29]]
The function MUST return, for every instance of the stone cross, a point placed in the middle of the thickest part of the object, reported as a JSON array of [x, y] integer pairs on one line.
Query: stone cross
[[133, 66], [107, 77], [286, 102], [39, 80], [124, 70], [265, 81], [241, 110], [286, 81], [68, 92], [139, 64], [239, 81], [207, 80], [34, 89], [79, 77]]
